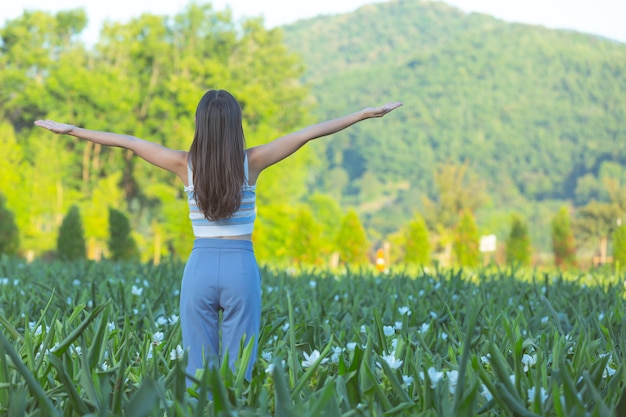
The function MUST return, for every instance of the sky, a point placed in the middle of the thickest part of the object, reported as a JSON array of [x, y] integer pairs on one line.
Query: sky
[[601, 17]]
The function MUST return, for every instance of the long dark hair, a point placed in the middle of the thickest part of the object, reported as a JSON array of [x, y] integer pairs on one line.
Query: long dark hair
[[217, 155]]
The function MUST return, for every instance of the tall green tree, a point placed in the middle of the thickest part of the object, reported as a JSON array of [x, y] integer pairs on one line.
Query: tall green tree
[[122, 246], [619, 246], [417, 243], [9, 233], [305, 245], [71, 240], [466, 241], [352, 243], [518, 246], [596, 222], [563, 244]]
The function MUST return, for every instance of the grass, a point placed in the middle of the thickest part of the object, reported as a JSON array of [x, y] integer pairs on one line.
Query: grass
[[100, 339]]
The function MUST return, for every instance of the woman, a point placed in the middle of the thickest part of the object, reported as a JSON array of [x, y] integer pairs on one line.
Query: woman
[[220, 175]]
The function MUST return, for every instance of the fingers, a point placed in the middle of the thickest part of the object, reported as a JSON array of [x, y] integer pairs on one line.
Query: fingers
[[392, 106]]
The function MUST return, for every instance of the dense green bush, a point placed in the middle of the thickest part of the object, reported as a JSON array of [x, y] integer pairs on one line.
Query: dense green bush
[[71, 239], [9, 233], [518, 247], [122, 246]]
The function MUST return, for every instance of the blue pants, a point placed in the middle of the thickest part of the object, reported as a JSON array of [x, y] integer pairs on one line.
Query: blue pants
[[221, 274]]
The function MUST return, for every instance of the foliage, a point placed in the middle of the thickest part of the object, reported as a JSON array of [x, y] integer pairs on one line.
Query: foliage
[[144, 78], [536, 113], [619, 246], [9, 233], [392, 345], [518, 246], [466, 241], [352, 243], [305, 241], [563, 240], [71, 238], [417, 243], [501, 116], [122, 246]]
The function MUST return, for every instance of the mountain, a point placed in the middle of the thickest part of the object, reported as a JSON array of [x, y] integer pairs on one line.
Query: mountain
[[537, 114]]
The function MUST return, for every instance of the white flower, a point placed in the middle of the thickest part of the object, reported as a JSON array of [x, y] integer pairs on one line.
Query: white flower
[[453, 377], [421, 292], [444, 336], [311, 359], [172, 319], [407, 380], [485, 359], [512, 379], [76, 283], [544, 320], [608, 371], [157, 338], [424, 328], [105, 366], [434, 376], [542, 393], [528, 361], [266, 356], [161, 321], [363, 329], [433, 315], [136, 290], [312, 284], [285, 327], [270, 369], [149, 355], [486, 393], [4, 281], [600, 316], [394, 344], [336, 353], [398, 325], [388, 331], [351, 346], [177, 353], [404, 310], [392, 361]]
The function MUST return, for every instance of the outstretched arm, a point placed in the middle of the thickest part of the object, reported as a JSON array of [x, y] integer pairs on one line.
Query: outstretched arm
[[169, 159], [263, 156]]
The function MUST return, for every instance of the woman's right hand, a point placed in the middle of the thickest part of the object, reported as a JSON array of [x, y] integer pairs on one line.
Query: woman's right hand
[[55, 127]]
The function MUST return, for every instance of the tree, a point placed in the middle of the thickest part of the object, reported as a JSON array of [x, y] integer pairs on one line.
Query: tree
[[122, 246], [352, 242], [563, 240], [595, 222], [71, 240], [619, 246], [458, 192], [466, 241], [417, 244], [9, 233], [305, 239], [518, 247]]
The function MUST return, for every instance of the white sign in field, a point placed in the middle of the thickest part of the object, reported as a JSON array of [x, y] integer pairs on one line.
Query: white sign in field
[[487, 243]]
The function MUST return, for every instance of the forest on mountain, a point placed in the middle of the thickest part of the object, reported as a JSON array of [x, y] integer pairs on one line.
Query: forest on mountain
[[536, 115], [499, 120]]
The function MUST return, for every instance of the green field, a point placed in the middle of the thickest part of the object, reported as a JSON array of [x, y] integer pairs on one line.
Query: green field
[[100, 339]]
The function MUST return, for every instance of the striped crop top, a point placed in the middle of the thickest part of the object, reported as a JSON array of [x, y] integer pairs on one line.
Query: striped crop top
[[240, 223]]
